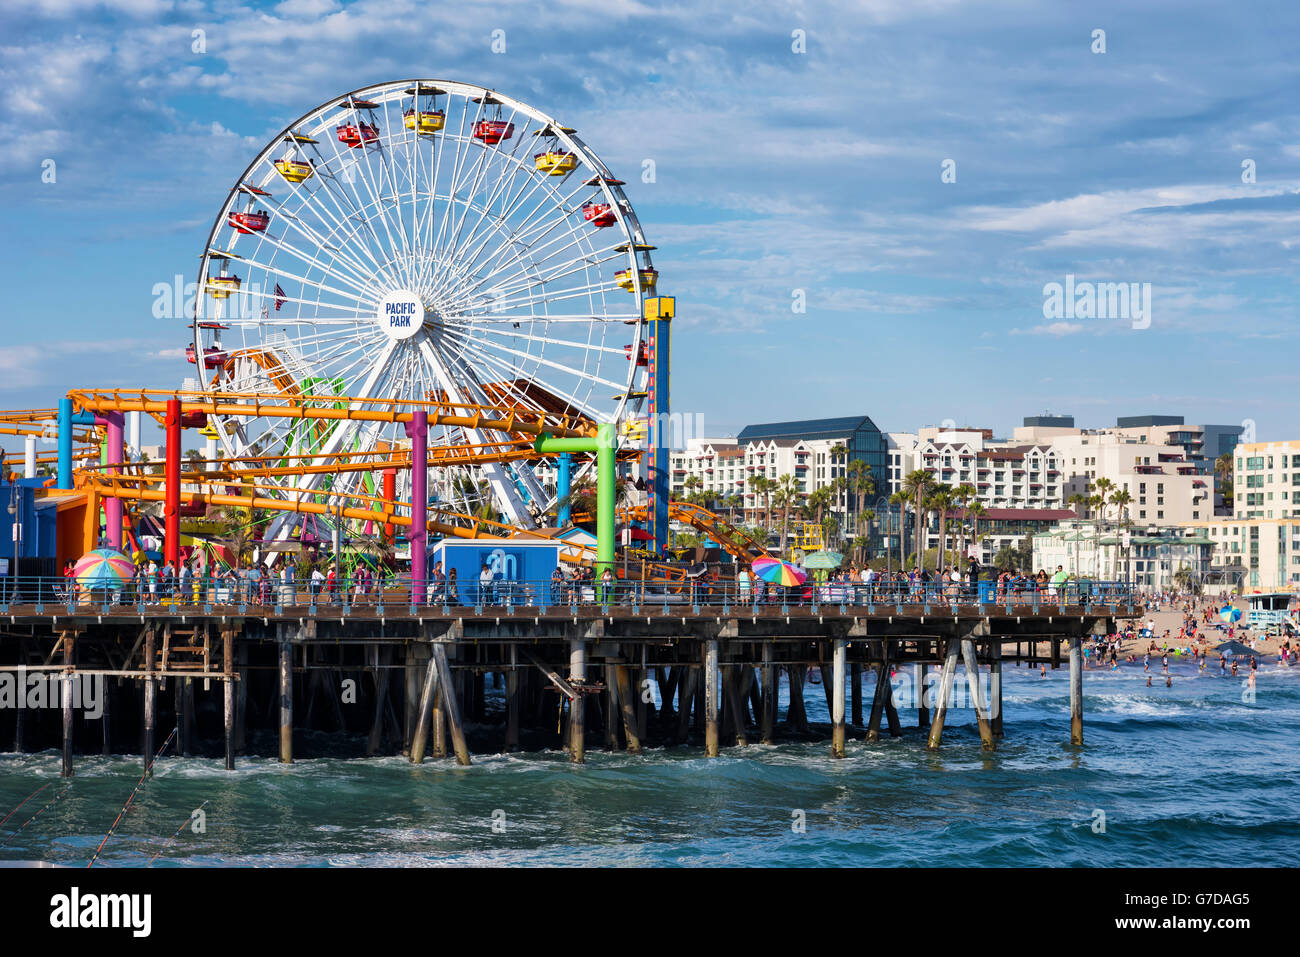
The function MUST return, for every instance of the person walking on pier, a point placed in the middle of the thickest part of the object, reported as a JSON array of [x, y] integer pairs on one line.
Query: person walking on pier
[[437, 584], [742, 586]]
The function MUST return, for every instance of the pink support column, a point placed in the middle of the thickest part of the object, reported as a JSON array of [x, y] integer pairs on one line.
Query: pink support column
[[113, 422], [172, 485], [418, 430]]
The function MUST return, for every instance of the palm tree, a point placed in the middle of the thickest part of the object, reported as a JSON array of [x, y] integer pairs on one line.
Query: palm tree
[[839, 452], [861, 484], [900, 500], [819, 501], [975, 511], [940, 501], [962, 496], [692, 483], [1103, 487], [1121, 499], [764, 486], [788, 494], [1223, 471], [916, 486]]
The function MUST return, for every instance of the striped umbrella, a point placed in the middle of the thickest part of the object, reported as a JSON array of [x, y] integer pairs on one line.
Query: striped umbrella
[[778, 572], [103, 568], [1229, 614]]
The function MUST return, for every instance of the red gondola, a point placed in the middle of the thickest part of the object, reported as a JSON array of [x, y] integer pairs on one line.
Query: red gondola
[[598, 214], [213, 358], [357, 134], [250, 222], [642, 356], [493, 132]]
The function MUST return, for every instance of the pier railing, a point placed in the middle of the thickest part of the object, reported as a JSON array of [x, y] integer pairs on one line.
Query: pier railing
[[191, 594]]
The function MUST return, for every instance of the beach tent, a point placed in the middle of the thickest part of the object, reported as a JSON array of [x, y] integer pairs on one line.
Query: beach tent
[[1234, 648]]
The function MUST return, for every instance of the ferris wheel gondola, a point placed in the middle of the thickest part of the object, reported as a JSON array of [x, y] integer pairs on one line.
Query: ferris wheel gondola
[[428, 254]]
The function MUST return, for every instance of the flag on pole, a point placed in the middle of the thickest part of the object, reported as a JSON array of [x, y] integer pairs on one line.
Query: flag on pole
[[279, 297]]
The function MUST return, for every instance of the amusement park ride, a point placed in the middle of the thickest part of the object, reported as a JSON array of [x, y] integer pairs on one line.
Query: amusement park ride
[[418, 271]]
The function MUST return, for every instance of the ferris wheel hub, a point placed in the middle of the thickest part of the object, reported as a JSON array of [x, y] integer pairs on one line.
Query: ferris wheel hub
[[401, 314]]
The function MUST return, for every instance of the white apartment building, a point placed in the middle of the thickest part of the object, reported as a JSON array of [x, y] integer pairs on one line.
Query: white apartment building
[[1258, 548], [1166, 489], [1150, 557]]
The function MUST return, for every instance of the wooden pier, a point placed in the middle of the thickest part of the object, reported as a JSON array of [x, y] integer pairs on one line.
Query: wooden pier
[[249, 679]]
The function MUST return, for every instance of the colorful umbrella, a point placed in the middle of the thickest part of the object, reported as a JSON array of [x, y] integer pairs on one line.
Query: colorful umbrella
[[103, 568], [778, 572], [1229, 614]]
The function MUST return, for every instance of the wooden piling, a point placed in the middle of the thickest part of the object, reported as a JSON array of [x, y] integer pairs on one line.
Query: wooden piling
[[150, 697], [410, 699], [735, 705], [711, 730], [67, 704], [611, 709], [577, 709], [286, 703], [228, 694], [877, 704], [855, 682], [922, 711], [439, 723], [624, 682], [1076, 690], [376, 736], [838, 734], [770, 679], [686, 701], [450, 705], [795, 715], [421, 734], [987, 741], [106, 716], [946, 679], [995, 685]]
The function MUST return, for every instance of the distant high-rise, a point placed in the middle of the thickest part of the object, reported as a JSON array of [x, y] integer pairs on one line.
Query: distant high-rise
[[1049, 421]]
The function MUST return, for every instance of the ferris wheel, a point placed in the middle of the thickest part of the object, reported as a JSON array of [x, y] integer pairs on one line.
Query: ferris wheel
[[423, 240]]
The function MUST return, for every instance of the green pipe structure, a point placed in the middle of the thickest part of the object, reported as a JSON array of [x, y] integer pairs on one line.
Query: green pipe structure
[[604, 444]]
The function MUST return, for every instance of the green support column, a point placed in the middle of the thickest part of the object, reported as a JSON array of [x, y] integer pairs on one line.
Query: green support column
[[604, 444]]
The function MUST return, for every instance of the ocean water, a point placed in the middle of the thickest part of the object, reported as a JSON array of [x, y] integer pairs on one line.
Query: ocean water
[[1191, 775]]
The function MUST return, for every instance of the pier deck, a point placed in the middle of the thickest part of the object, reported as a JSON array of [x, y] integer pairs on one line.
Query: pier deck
[[624, 675]]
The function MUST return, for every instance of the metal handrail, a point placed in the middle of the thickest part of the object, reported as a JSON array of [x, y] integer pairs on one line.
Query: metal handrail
[[201, 591]]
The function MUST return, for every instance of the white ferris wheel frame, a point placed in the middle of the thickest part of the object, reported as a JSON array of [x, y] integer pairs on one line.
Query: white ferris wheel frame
[[335, 238]]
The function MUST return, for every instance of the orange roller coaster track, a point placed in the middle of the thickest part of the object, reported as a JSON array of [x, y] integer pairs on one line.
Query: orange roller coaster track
[[274, 405]]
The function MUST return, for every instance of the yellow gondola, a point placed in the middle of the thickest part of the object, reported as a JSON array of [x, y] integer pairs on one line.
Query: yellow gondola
[[648, 278], [555, 162], [220, 287], [424, 122], [209, 432], [295, 171]]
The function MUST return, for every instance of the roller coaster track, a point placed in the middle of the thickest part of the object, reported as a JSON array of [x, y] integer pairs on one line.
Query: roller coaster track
[[734, 541]]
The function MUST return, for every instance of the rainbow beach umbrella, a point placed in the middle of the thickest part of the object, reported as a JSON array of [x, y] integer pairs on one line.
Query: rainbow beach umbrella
[[777, 572], [103, 568]]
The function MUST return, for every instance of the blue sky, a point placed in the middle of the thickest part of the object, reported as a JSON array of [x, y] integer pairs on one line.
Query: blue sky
[[775, 171]]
